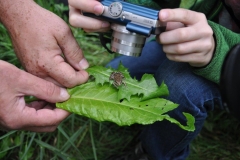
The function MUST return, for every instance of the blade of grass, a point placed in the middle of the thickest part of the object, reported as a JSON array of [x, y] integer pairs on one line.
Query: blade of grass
[[74, 137], [92, 141], [7, 134], [58, 152], [41, 154], [69, 140], [28, 146]]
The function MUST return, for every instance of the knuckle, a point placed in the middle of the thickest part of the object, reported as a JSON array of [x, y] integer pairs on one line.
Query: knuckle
[[73, 20], [50, 89], [76, 54], [41, 64], [200, 59], [182, 34], [70, 81], [65, 30], [208, 32], [186, 14], [180, 49], [208, 45], [202, 15]]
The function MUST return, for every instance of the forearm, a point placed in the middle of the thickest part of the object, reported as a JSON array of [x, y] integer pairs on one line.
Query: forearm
[[225, 40]]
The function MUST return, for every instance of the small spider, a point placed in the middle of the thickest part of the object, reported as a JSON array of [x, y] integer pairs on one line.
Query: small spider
[[117, 78]]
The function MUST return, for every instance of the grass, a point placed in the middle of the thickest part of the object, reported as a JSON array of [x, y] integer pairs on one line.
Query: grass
[[219, 138], [79, 138]]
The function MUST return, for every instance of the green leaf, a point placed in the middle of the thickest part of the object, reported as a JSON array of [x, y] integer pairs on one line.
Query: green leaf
[[147, 88], [100, 73], [100, 102]]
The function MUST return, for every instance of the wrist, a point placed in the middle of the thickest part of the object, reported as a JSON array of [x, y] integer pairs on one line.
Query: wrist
[[12, 11]]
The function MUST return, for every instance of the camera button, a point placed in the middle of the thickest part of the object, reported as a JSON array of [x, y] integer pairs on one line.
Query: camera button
[[115, 9], [123, 17]]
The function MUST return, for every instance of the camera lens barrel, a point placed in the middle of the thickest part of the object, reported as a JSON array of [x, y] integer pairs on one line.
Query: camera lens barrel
[[131, 24], [126, 42]]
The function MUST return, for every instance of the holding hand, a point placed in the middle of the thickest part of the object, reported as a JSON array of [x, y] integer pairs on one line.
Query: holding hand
[[188, 37], [38, 116], [44, 43], [76, 19]]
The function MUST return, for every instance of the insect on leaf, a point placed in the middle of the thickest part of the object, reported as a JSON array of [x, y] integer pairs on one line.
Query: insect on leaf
[[147, 88]]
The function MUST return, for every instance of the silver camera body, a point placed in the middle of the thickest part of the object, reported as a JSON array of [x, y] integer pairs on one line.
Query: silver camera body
[[131, 25]]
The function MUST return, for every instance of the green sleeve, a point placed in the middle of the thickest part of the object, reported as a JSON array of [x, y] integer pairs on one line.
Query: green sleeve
[[225, 40]]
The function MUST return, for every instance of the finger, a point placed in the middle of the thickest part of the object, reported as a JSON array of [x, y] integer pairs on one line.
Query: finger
[[76, 19], [194, 59], [184, 16], [46, 117], [65, 75], [91, 6], [70, 48], [50, 79], [188, 47], [174, 25], [40, 88], [179, 35]]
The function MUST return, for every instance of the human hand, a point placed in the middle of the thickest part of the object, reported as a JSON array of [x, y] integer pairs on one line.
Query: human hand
[[44, 43], [188, 37], [76, 19], [38, 116]]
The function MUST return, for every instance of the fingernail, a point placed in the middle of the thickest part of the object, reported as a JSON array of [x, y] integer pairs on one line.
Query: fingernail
[[64, 94], [98, 9], [83, 64], [105, 24]]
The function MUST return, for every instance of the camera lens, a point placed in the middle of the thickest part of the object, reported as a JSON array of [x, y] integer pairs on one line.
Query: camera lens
[[126, 42]]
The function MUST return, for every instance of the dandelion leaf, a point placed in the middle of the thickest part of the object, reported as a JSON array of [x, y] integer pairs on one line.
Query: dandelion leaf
[[100, 102], [147, 88]]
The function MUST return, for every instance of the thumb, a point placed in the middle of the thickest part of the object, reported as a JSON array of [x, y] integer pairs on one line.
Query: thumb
[[71, 49], [42, 89]]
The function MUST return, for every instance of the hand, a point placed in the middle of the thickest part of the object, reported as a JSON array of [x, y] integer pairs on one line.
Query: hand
[[38, 116], [76, 19], [188, 37], [44, 43]]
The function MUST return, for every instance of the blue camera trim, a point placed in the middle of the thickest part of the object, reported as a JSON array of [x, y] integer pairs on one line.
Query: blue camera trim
[[137, 19], [135, 9]]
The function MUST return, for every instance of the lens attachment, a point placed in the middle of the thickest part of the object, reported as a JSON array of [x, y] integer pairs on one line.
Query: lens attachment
[[126, 42]]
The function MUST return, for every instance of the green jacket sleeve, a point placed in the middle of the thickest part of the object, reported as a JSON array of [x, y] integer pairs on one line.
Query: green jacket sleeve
[[225, 39]]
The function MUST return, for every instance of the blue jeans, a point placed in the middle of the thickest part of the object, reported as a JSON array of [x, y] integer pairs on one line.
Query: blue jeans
[[194, 94]]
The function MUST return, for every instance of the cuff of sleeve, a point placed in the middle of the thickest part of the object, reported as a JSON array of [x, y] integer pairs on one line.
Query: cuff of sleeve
[[212, 71]]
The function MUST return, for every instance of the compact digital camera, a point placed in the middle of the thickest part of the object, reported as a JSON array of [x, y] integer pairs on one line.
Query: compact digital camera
[[131, 25]]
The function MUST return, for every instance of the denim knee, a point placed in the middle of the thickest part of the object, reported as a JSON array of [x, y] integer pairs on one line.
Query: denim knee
[[188, 89], [195, 95], [148, 62]]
